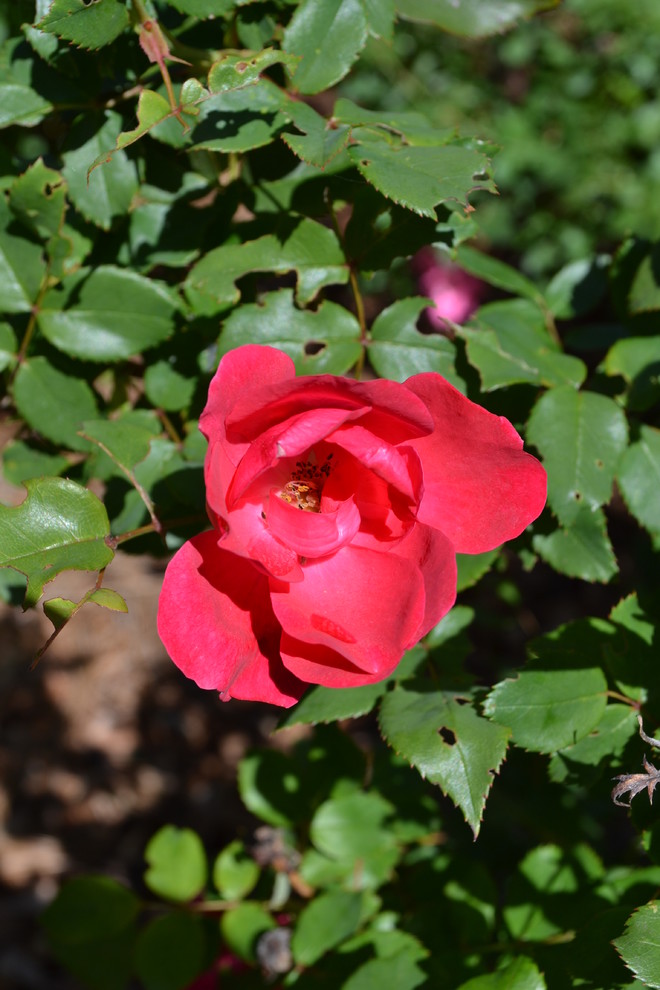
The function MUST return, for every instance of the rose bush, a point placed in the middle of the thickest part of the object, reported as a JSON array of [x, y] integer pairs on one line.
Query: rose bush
[[338, 508]]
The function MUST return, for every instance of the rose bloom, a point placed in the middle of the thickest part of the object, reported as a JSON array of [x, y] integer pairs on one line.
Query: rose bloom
[[338, 508]]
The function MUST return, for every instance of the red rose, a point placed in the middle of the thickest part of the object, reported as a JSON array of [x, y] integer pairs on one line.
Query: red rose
[[338, 508]]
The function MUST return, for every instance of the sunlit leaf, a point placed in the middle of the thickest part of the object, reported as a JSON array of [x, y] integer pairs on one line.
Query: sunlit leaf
[[448, 742], [60, 526]]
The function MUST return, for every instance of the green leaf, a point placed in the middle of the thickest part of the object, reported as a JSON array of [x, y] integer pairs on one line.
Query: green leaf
[[20, 102], [644, 296], [258, 769], [60, 610], [87, 25], [89, 908], [380, 17], [177, 864], [60, 526], [309, 249], [328, 35], [606, 740], [162, 460], [241, 927], [324, 923], [630, 657], [399, 970], [8, 346], [107, 314], [472, 567], [236, 71], [166, 388], [580, 436], [520, 973], [637, 360], [123, 442], [559, 698], [321, 704], [170, 951], [351, 830], [471, 18], [53, 403], [37, 199], [496, 273], [638, 478], [451, 746], [21, 270], [319, 142], [508, 342], [577, 287], [20, 462], [321, 341], [397, 350], [106, 192], [235, 873], [582, 549], [241, 119], [550, 892], [152, 109], [640, 944], [107, 598], [420, 178]]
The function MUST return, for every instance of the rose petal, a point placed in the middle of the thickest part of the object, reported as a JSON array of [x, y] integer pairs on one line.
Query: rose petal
[[248, 536], [480, 487], [312, 534], [318, 664], [398, 467], [432, 552], [245, 369], [393, 416], [217, 624], [259, 409], [241, 370], [366, 606]]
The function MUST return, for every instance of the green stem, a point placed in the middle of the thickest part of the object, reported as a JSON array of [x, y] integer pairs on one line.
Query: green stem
[[355, 288]]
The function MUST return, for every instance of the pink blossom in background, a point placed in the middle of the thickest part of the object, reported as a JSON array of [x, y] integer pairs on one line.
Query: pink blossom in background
[[456, 294], [338, 508]]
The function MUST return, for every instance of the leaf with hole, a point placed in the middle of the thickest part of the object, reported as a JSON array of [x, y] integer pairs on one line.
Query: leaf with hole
[[448, 742], [321, 341]]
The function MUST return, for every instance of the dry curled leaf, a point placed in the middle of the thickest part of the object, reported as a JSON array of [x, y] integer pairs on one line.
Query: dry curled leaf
[[634, 783]]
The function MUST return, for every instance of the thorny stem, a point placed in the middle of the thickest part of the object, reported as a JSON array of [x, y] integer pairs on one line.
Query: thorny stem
[[357, 295], [150, 24]]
